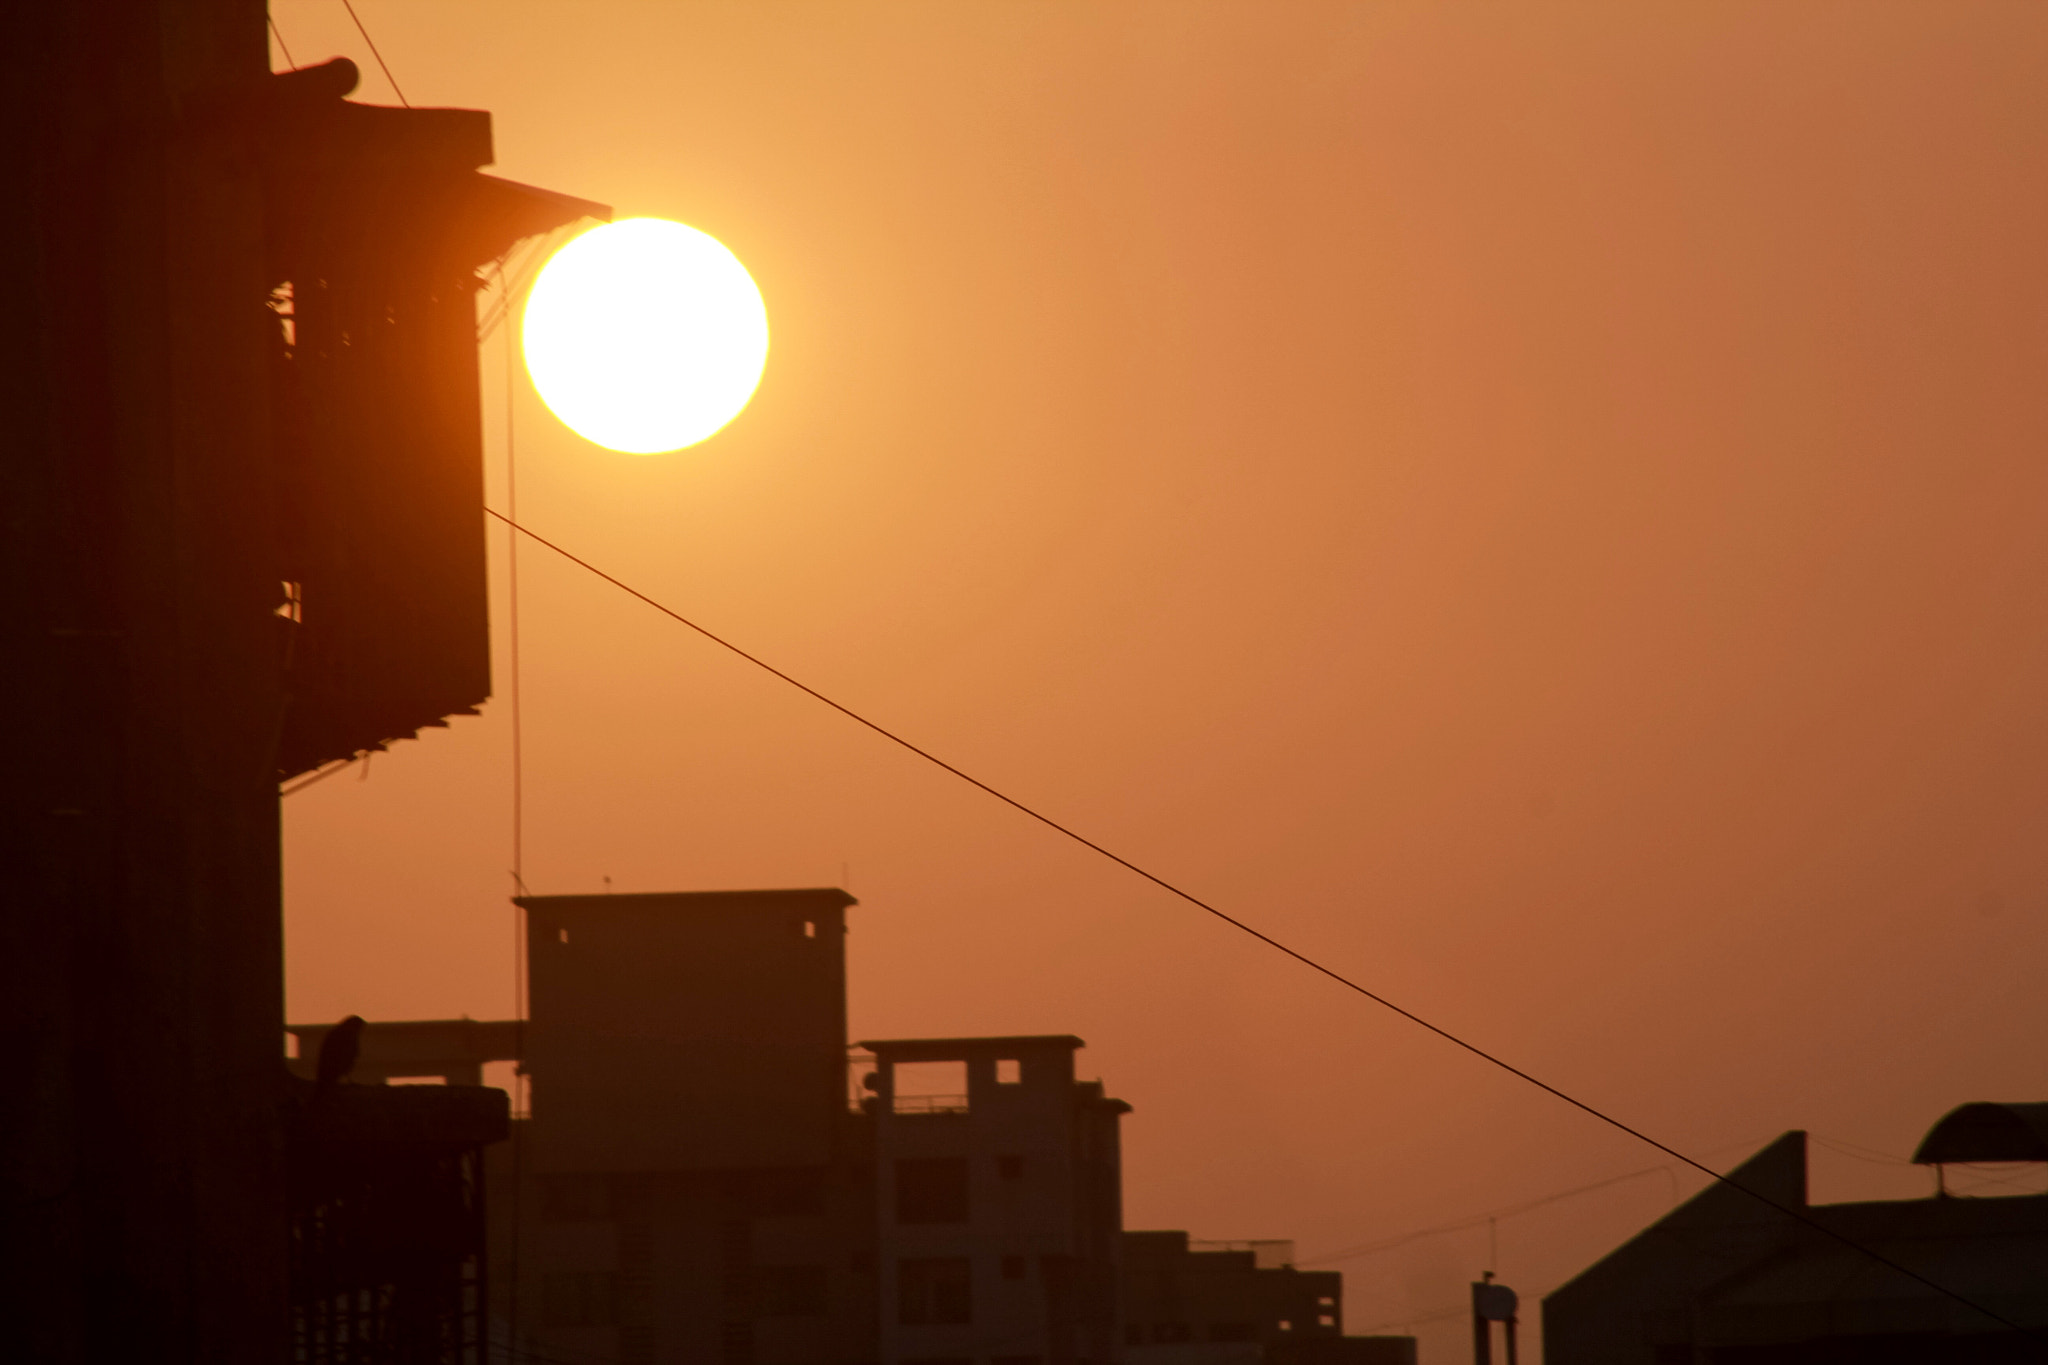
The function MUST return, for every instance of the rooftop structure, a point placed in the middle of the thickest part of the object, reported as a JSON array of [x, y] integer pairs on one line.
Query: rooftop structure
[[452, 1051], [686, 1031], [1726, 1278]]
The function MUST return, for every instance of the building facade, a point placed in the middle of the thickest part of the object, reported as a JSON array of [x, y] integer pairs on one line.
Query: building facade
[[999, 1203]]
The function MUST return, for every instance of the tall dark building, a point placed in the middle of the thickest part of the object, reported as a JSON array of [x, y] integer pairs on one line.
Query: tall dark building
[[692, 1183], [240, 467], [700, 1031]]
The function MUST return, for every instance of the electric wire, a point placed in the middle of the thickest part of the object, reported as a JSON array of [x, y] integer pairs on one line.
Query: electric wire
[[1302, 958], [278, 34], [1375, 1247], [1353, 1253], [1856, 1153], [1433, 1315], [350, 7], [519, 1002], [499, 307]]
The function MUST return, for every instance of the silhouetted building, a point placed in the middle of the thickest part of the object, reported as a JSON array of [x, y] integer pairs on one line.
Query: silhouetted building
[[1237, 1303], [1177, 1292], [698, 1180], [387, 1251], [239, 544], [999, 1180], [692, 1184], [1726, 1280], [709, 1174]]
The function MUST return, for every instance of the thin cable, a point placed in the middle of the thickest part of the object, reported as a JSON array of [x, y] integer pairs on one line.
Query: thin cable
[[519, 998], [512, 627], [1304, 959], [1481, 1220], [345, 4], [1869, 1154], [1433, 1315], [1374, 1248], [278, 34]]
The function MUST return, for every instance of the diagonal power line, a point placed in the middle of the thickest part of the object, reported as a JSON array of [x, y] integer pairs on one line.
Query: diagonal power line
[[1797, 1215]]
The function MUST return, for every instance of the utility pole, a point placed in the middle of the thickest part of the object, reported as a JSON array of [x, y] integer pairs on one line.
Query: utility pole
[[1492, 1303]]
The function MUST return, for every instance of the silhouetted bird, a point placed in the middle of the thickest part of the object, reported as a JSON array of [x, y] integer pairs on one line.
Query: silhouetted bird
[[339, 1050]]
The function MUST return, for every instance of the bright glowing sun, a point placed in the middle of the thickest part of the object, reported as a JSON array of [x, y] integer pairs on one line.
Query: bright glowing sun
[[645, 335]]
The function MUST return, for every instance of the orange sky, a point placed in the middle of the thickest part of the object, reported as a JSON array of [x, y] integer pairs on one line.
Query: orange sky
[[1541, 506]]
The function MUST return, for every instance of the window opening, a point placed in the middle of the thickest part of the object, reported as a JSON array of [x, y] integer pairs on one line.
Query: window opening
[[929, 1087]]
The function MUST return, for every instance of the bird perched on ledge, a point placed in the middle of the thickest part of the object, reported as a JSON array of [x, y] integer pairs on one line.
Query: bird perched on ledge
[[339, 1050]]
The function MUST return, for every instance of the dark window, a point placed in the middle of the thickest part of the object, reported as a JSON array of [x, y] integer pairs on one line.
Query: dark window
[[579, 1299], [736, 1343], [1010, 1167], [1233, 1331], [934, 1289], [789, 1291], [785, 1192], [1014, 1267], [931, 1190]]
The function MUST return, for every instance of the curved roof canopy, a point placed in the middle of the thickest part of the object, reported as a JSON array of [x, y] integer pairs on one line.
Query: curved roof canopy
[[1987, 1132]]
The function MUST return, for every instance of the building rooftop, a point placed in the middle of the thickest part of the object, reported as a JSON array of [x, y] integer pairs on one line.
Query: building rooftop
[[950, 1049], [688, 899]]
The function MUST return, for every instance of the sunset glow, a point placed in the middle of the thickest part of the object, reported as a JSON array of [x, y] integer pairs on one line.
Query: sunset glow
[[645, 335]]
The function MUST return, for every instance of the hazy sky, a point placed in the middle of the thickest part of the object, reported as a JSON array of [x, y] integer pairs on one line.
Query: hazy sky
[[1541, 505]]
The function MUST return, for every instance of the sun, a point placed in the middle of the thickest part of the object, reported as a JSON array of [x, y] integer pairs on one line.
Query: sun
[[645, 335]]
